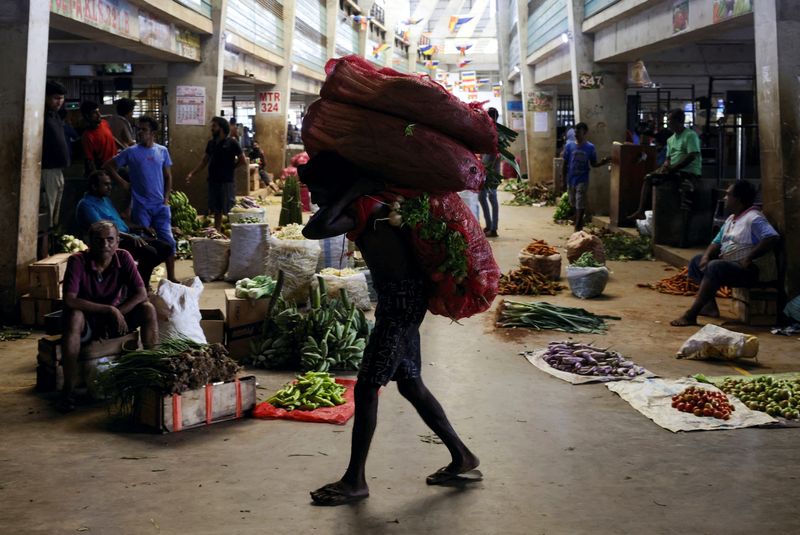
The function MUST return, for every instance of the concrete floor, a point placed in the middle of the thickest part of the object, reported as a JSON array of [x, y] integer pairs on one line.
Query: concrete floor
[[556, 458]]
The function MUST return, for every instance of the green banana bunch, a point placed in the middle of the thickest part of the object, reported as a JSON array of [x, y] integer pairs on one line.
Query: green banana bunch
[[184, 216]]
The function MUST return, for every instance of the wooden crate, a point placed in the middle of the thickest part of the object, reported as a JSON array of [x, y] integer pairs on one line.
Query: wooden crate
[[45, 276], [196, 408], [32, 310], [244, 319], [755, 306]]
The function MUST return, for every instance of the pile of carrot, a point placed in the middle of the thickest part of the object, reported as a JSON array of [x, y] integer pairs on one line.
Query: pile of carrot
[[541, 247], [526, 281], [681, 284]]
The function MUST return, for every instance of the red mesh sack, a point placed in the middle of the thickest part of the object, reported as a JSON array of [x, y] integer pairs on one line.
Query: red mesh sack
[[422, 159], [448, 297], [415, 98], [475, 293]]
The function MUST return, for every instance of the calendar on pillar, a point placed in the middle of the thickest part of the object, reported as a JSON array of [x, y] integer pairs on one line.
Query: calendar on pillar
[[190, 105]]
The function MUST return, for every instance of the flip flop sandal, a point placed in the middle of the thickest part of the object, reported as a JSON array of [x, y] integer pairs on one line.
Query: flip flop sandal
[[444, 476], [331, 496]]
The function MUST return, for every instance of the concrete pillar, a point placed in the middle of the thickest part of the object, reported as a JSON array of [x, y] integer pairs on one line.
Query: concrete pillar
[[366, 6], [332, 13], [602, 109], [778, 84], [187, 143], [23, 36], [539, 108], [518, 148], [271, 116]]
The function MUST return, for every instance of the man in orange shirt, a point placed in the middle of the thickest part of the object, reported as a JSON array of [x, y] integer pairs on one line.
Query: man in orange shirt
[[97, 140]]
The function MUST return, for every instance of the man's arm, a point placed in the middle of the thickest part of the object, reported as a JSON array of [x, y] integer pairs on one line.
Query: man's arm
[[111, 167], [167, 183], [88, 154], [203, 163], [711, 253], [763, 247], [72, 301], [683, 162], [140, 296]]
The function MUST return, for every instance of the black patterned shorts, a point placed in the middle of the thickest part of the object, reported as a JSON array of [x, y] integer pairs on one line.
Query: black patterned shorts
[[393, 350]]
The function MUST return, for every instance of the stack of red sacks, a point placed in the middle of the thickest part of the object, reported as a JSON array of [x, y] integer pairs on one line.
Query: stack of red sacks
[[419, 137]]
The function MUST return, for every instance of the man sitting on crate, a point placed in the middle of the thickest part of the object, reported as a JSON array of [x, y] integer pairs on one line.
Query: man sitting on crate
[[140, 242], [104, 297], [732, 259]]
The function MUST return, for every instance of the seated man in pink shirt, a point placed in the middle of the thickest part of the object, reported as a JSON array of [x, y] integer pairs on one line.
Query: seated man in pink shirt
[[104, 297]]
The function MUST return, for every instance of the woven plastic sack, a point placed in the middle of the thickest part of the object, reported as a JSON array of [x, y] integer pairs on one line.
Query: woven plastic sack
[[416, 99], [178, 310], [547, 265], [210, 258], [587, 282], [249, 247], [581, 242], [298, 261], [356, 286], [406, 155], [334, 253], [714, 342]]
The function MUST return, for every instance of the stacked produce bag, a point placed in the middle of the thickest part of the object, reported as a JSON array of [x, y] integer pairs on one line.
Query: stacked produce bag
[[422, 141]]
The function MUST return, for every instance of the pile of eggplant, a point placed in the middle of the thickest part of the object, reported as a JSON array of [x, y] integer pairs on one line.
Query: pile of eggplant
[[586, 359]]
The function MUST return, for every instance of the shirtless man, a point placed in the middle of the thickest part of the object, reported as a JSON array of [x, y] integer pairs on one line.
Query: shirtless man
[[393, 350]]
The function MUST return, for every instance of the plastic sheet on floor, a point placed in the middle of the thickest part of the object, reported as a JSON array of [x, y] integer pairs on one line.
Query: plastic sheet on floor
[[653, 398], [327, 415], [537, 359]]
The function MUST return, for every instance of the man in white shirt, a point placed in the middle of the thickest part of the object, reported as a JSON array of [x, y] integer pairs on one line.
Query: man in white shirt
[[736, 257]]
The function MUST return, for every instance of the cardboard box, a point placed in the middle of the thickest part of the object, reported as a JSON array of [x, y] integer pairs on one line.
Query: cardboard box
[[45, 276], [213, 324], [245, 319], [196, 408]]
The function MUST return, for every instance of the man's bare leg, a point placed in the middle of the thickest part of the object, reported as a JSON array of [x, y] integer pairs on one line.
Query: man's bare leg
[[431, 412], [149, 325], [353, 485], [705, 295], [70, 348], [218, 221], [170, 263]]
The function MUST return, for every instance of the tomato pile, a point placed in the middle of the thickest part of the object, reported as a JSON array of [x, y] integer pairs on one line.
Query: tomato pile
[[703, 403]]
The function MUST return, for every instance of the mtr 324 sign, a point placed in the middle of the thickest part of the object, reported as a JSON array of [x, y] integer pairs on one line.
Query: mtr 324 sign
[[269, 102]]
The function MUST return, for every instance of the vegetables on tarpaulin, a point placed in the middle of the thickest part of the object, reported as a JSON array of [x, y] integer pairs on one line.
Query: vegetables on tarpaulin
[[586, 359], [701, 402], [309, 392], [776, 397], [543, 315], [527, 281]]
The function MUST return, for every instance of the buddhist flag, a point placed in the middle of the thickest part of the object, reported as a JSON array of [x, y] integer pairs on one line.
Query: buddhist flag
[[462, 49], [484, 81], [497, 90], [424, 48], [432, 65], [463, 63], [362, 20], [431, 51], [376, 50], [406, 35], [468, 77], [456, 22], [411, 22]]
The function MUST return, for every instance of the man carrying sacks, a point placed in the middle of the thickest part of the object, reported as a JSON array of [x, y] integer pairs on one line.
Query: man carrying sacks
[[383, 183]]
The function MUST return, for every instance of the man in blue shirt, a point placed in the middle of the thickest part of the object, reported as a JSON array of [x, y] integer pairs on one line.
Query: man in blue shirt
[[149, 166], [578, 157], [140, 242]]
